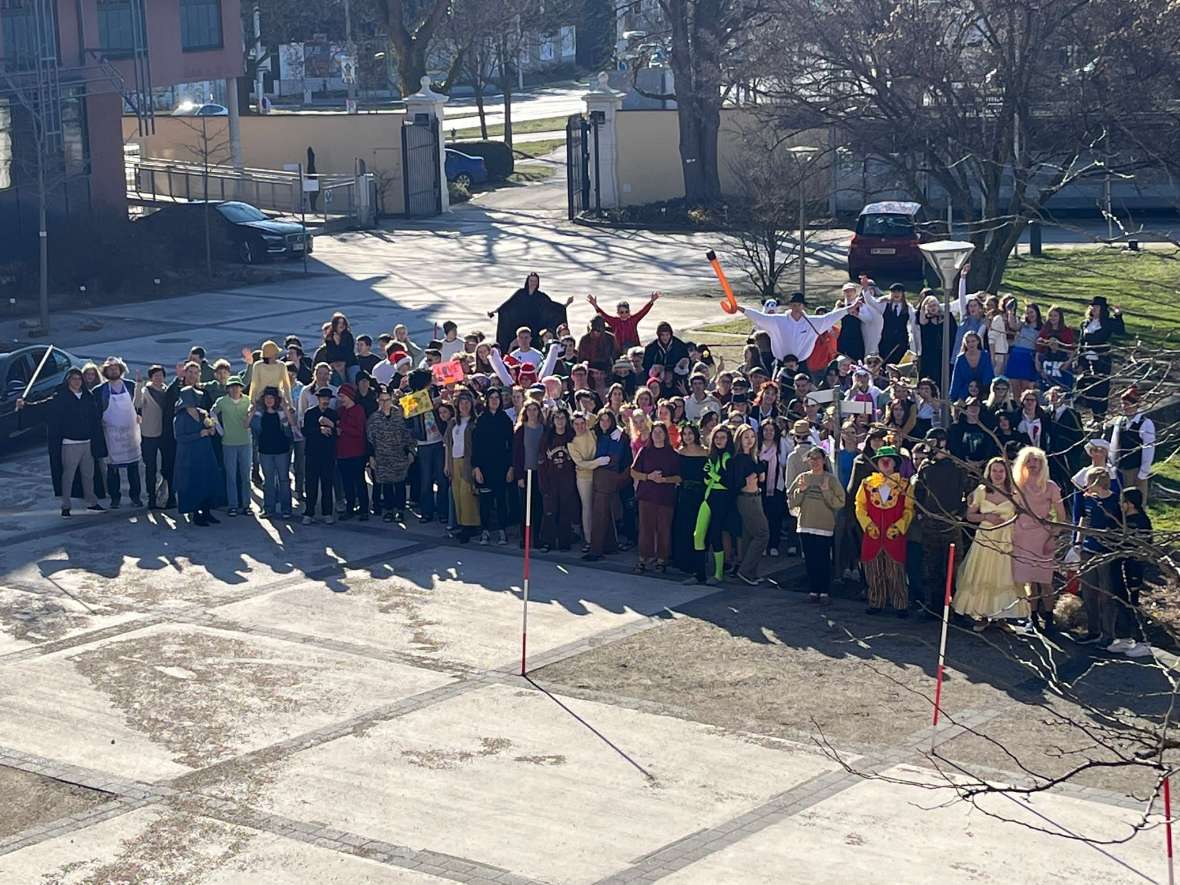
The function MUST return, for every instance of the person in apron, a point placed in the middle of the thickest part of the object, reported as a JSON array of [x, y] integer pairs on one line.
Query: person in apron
[[120, 430]]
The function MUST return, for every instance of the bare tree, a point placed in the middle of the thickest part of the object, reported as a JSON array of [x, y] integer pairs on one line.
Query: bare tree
[[210, 148], [411, 27], [1000, 104]]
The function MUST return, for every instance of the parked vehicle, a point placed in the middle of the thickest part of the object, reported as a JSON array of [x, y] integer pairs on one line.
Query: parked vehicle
[[465, 169], [885, 242], [238, 231], [208, 109], [16, 368]]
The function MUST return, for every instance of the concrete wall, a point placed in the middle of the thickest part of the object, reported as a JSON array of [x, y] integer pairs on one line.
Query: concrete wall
[[648, 160], [274, 140]]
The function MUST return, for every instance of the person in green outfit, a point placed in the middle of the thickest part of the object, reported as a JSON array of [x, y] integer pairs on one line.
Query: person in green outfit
[[232, 412], [717, 509]]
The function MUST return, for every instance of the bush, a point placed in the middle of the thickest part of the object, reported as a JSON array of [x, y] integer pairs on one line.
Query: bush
[[496, 156]]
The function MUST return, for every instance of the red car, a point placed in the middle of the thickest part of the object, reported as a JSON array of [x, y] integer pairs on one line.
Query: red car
[[885, 244]]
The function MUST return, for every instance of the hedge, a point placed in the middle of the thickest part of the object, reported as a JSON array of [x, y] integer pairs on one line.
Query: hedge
[[496, 156]]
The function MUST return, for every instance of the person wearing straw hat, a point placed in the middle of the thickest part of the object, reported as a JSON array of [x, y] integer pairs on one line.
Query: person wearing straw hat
[[884, 509], [268, 372], [120, 429], [232, 412]]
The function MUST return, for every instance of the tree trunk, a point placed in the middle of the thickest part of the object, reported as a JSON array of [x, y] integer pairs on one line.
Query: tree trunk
[[506, 87], [411, 67], [479, 106], [699, 125]]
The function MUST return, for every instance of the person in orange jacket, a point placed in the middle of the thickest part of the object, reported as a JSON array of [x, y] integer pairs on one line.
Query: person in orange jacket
[[884, 509]]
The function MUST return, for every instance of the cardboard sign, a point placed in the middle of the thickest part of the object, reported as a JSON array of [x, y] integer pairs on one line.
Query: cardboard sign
[[856, 407], [414, 404], [448, 373]]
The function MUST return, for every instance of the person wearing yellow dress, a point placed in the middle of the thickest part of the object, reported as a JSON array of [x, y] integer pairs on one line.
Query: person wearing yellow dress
[[987, 590]]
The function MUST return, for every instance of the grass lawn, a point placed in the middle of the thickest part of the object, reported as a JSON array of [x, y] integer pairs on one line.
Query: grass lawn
[[545, 124], [1144, 284], [532, 172], [539, 148]]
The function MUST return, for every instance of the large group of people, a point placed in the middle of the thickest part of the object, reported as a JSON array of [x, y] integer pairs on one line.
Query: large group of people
[[831, 439]]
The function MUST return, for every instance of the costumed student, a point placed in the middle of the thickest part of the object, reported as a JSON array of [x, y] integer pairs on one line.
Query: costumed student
[[531, 307], [884, 509]]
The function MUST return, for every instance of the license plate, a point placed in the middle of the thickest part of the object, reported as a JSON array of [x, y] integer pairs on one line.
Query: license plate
[[882, 251], [297, 246]]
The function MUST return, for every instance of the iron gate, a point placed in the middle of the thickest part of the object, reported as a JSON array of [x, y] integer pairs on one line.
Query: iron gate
[[577, 164], [420, 168]]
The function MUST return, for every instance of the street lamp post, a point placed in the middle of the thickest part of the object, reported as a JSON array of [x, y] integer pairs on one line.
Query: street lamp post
[[804, 155], [947, 257]]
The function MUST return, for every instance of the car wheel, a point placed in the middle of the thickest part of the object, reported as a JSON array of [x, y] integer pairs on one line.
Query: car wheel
[[463, 180], [248, 252]]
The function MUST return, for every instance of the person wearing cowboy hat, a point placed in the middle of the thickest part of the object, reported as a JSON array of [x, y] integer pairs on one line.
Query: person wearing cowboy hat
[[196, 473], [232, 412], [1102, 324], [1132, 443], [793, 332], [884, 509], [1098, 453], [120, 429]]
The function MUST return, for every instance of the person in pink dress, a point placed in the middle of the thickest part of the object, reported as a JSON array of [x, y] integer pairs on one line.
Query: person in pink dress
[[1034, 539]]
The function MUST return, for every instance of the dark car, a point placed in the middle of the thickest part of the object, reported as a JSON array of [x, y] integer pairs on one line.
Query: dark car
[[16, 368], [885, 243], [238, 231], [465, 169]]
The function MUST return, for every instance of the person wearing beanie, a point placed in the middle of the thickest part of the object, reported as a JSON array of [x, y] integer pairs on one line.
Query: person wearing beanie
[[350, 453], [269, 372]]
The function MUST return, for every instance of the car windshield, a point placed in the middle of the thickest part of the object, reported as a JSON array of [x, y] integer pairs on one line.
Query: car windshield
[[892, 225], [240, 212]]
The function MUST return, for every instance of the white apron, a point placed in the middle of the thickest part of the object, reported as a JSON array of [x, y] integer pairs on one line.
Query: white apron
[[120, 427]]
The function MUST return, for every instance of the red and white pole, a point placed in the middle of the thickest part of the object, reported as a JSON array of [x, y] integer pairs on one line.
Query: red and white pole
[[946, 619], [1168, 827], [528, 545]]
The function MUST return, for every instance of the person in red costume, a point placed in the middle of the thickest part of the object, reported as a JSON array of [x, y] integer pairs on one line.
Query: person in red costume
[[884, 509]]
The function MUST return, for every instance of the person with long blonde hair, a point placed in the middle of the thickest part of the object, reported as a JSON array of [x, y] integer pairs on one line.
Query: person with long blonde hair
[[987, 590], [1034, 535]]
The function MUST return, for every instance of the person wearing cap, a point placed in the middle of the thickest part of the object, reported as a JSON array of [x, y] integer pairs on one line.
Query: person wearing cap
[[802, 439], [818, 498], [884, 508], [793, 332], [120, 429], [624, 325], [987, 589], [351, 448], [1132, 443], [319, 452], [198, 482], [268, 372], [1102, 325], [939, 488], [273, 427], [232, 411]]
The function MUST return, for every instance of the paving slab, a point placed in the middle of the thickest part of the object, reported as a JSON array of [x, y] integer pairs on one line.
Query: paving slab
[[164, 845], [162, 701], [464, 607], [29, 619], [555, 789], [148, 563], [876, 832]]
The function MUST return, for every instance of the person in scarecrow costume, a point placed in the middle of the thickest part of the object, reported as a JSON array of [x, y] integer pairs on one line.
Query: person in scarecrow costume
[[884, 509]]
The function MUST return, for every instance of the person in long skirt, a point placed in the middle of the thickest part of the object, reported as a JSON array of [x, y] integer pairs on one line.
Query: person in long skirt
[[198, 479], [689, 495], [987, 588], [458, 466], [819, 498], [1034, 535], [884, 510]]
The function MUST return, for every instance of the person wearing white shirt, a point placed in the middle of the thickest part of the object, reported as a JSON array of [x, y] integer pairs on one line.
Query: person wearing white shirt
[[1132, 443], [525, 352], [452, 345], [505, 376], [794, 332]]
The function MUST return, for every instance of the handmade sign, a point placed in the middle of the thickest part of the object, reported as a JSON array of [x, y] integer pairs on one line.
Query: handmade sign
[[414, 404], [448, 373]]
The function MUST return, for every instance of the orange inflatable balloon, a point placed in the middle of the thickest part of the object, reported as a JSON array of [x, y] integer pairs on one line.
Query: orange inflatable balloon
[[728, 303]]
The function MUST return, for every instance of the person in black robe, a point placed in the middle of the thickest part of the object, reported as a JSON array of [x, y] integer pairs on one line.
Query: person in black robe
[[530, 307]]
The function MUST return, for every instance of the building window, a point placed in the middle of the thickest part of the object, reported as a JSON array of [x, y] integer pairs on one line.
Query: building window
[[5, 145], [75, 144], [200, 25], [120, 22], [19, 25]]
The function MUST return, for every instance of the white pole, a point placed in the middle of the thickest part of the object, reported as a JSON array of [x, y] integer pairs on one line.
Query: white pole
[[37, 373]]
